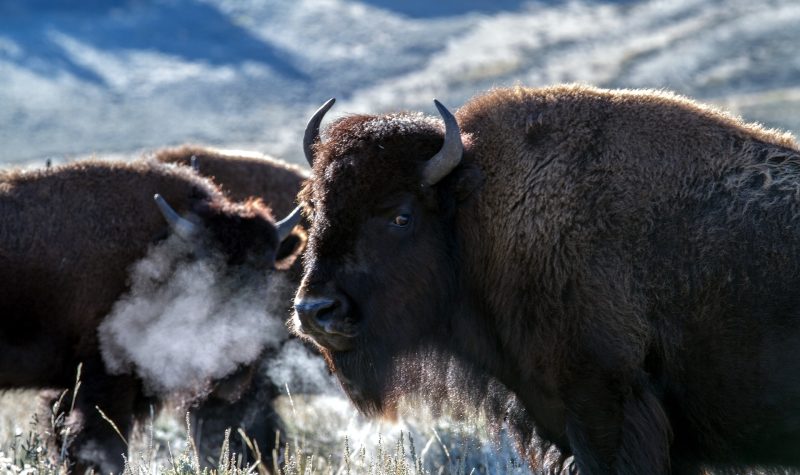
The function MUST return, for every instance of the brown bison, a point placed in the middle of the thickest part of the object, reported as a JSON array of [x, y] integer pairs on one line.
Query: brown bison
[[245, 398], [242, 175], [69, 236], [626, 263]]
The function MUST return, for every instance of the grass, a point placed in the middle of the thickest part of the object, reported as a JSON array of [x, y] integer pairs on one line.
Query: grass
[[325, 437], [324, 434], [25, 452]]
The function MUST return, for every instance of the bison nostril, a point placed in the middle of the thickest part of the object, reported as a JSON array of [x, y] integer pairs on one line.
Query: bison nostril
[[327, 313], [319, 313]]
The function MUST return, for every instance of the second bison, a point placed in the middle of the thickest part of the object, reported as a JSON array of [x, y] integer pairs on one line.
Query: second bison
[[69, 237], [245, 399], [242, 175]]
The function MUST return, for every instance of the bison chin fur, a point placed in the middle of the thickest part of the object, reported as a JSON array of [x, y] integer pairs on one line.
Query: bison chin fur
[[381, 380], [378, 379]]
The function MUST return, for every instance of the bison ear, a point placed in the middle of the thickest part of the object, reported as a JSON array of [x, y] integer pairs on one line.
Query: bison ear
[[468, 179], [290, 248]]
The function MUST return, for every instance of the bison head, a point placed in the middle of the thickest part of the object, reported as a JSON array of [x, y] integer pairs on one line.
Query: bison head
[[381, 282], [213, 282], [244, 233]]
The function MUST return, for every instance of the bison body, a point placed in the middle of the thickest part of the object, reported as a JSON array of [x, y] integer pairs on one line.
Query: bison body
[[69, 237], [242, 175], [626, 263]]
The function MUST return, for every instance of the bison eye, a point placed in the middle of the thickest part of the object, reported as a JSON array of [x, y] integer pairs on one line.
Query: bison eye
[[401, 220]]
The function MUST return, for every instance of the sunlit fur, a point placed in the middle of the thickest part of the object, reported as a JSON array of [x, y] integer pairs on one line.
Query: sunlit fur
[[69, 236], [242, 175], [626, 263]]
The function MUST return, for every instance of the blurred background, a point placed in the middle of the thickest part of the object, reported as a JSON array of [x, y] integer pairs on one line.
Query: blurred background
[[126, 76]]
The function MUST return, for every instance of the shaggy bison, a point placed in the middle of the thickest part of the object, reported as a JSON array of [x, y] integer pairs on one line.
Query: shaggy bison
[[69, 236], [627, 263], [242, 175], [245, 398]]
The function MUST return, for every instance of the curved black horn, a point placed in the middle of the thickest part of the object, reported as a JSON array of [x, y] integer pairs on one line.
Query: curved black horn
[[312, 130], [180, 225], [288, 223], [450, 154]]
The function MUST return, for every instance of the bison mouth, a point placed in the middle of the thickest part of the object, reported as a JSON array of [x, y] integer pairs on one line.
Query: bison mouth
[[362, 367], [336, 338]]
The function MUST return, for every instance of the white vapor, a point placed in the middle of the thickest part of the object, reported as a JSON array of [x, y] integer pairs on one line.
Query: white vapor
[[185, 322], [302, 370]]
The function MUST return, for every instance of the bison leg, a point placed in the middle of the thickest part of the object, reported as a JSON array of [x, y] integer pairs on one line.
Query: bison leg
[[97, 445], [252, 411], [614, 428]]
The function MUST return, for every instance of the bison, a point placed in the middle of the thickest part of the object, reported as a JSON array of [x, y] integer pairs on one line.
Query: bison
[[625, 262], [245, 398], [242, 175], [69, 236]]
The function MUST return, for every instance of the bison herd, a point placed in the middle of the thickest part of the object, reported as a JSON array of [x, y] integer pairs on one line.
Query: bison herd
[[615, 274]]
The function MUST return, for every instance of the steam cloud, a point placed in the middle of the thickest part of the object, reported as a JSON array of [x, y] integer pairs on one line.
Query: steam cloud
[[302, 371], [186, 322]]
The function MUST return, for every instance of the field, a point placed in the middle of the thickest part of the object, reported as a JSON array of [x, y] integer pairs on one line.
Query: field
[[325, 436]]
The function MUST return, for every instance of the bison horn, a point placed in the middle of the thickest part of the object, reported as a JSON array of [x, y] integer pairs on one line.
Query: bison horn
[[288, 223], [312, 130], [182, 226], [450, 154]]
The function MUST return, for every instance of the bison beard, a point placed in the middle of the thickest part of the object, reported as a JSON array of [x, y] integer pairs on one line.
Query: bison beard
[[379, 378]]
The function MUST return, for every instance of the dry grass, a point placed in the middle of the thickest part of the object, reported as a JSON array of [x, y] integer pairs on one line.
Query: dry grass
[[325, 434], [16, 408]]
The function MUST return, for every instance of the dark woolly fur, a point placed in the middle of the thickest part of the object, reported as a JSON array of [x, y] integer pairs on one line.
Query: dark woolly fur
[[625, 263], [69, 236], [242, 177]]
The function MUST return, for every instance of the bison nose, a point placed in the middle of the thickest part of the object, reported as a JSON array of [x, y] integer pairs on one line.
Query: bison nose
[[312, 310], [325, 318]]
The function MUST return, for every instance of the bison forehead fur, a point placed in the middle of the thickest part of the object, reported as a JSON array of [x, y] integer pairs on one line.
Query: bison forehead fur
[[351, 164], [626, 263]]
